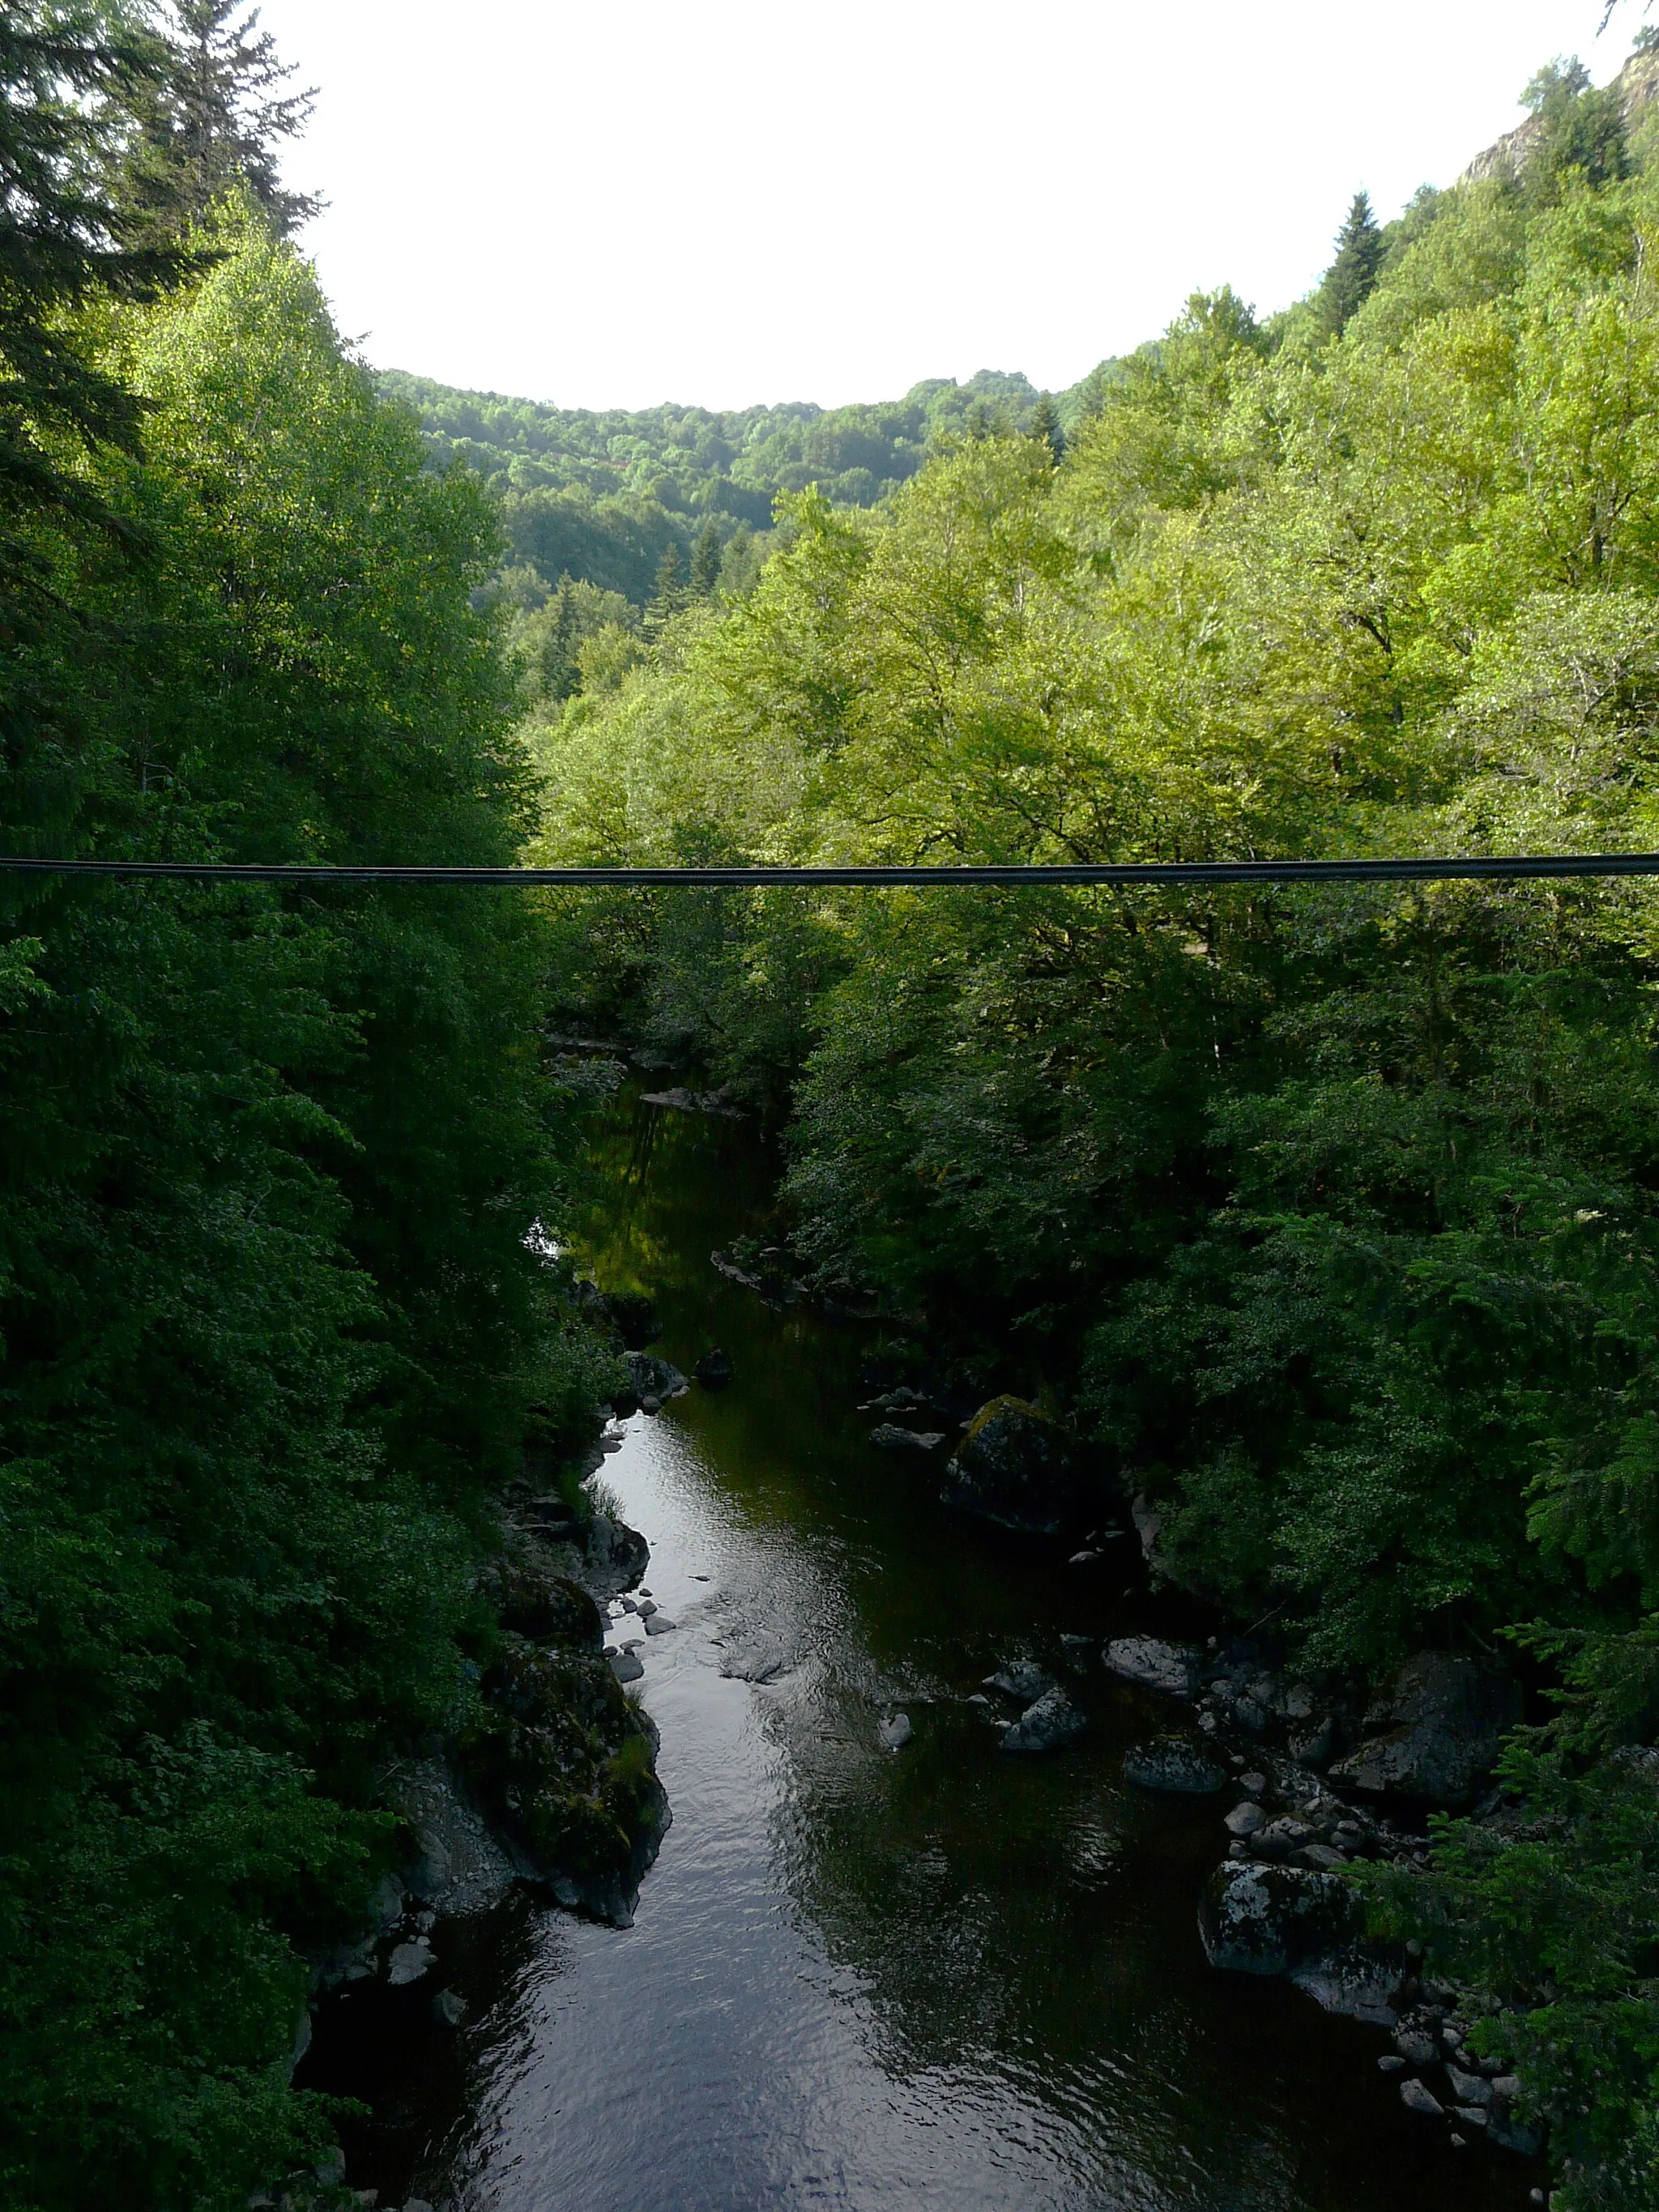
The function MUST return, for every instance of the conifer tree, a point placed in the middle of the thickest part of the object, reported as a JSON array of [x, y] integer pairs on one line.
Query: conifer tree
[[706, 560], [1046, 425], [65, 91], [560, 674], [215, 119], [1351, 278]]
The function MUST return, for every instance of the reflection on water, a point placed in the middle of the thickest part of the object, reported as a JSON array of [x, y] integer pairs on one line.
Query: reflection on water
[[943, 1978]]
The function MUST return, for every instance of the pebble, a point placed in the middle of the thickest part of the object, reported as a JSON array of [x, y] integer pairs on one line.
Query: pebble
[[978, 1698], [1244, 1819], [1416, 2099], [1391, 2062], [1254, 1785], [896, 1733], [1083, 1558], [1471, 2116], [449, 2008]]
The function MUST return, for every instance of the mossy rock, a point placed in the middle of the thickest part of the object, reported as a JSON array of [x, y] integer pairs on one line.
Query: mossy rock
[[1016, 1466], [533, 1601]]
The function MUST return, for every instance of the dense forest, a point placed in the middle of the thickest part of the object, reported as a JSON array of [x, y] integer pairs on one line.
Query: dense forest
[[1330, 1218], [270, 1336], [603, 498]]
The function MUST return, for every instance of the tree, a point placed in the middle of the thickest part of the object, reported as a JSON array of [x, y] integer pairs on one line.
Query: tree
[[1578, 128], [65, 88], [559, 673], [1046, 425], [706, 555], [1351, 278], [214, 119]]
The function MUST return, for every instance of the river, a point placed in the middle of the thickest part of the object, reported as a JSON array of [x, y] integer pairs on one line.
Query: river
[[943, 1978]]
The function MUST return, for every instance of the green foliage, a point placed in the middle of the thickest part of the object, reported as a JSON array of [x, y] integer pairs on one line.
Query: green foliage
[[1331, 1218], [270, 1330], [1351, 278]]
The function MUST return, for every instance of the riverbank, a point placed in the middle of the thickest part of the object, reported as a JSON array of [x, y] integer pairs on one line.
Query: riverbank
[[937, 1976]]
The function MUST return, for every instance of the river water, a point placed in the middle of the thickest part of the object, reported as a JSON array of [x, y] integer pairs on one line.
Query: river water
[[943, 1978]]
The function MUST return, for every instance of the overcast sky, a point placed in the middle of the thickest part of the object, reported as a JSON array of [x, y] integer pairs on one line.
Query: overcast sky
[[730, 201]]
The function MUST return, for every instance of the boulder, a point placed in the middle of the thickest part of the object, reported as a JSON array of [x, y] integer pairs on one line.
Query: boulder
[[1258, 1919], [1014, 1467], [652, 1377], [617, 1556], [1416, 2099], [1246, 1819], [530, 1599], [409, 1961], [566, 1763], [1354, 1982], [896, 1733], [1174, 1763], [1021, 1678], [1052, 1721], [1445, 1717], [714, 1370], [1171, 1666]]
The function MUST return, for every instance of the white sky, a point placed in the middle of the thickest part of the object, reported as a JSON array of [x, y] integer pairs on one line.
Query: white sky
[[731, 201]]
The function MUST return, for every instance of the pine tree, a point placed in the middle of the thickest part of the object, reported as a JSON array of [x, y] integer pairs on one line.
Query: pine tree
[[706, 555], [1046, 425], [560, 676], [215, 120], [1351, 278], [64, 95]]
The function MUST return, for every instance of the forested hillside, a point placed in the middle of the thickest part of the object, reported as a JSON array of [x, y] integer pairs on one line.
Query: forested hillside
[[270, 1337], [1329, 1217], [600, 496]]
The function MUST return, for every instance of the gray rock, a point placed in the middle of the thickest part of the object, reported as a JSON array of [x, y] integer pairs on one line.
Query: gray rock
[[1445, 1717], [1246, 1819], [754, 1659], [1469, 2088], [408, 1962], [1021, 1678], [1510, 2133], [1473, 2116], [1257, 1919], [896, 1733], [1281, 1839], [1390, 2062], [626, 1668], [1322, 1856], [459, 1863], [1170, 1667], [1414, 2047], [1174, 1763], [652, 1377], [448, 2009], [1354, 1982], [1253, 1784], [1417, 2098], [659, 1624], [1014, 1467], [888, 1436], [1052, 1721]]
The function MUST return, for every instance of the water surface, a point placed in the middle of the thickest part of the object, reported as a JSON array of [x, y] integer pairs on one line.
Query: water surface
[[941, 1977]]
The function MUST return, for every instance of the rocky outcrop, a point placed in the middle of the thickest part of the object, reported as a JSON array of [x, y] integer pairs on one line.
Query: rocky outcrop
[[1014, 1467], [563, 1761], [458, 1864], [1636, 88], [1436, 1733]]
